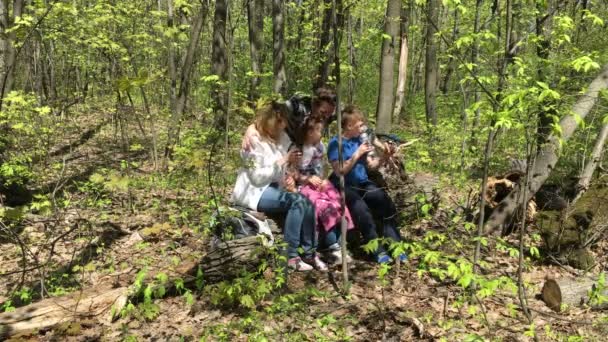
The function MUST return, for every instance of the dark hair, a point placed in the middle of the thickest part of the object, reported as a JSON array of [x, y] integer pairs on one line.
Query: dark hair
[[308, 125], [350, 113], [324, 94]]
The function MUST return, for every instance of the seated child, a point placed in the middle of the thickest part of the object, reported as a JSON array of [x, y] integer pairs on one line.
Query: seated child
[[364, 199], [323, 195]]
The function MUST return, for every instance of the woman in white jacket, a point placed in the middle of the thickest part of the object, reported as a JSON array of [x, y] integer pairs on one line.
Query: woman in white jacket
[[261, 181]]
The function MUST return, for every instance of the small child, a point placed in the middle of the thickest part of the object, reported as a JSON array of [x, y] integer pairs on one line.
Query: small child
[[365, 199], [323, 195]]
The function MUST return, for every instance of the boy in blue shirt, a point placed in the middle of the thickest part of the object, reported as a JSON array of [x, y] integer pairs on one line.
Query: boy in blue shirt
[[364, 199]]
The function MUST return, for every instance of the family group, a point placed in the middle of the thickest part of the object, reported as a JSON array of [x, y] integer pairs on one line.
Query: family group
[[283, 158]]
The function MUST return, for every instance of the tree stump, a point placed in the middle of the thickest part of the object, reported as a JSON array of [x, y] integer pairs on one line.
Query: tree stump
[[557, 293]]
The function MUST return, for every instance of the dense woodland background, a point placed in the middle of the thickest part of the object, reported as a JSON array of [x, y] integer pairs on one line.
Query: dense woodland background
[[120, 126]]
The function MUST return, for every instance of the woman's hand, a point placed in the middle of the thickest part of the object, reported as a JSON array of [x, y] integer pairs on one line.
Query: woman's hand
[[292, 157]]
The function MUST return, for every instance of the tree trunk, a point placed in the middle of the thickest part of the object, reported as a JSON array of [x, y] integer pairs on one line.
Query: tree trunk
[[571, 292], [445, 86], [351, 58], [430, 68], [474, 57], [219, 64], [387, 64], [186, 72], [402, 80], [546, 110], [596, 157], [255, 17], [278, 51], [171, 62], [7, 50], [548, 156], [323, 53]]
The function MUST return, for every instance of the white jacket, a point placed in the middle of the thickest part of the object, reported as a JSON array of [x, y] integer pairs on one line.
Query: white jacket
[[259, 171]]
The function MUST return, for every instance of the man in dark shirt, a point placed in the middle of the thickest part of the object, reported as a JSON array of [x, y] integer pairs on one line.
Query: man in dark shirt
[[321, 105]]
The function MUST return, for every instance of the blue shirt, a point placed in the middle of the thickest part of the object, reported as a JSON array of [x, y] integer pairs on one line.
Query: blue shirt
[[358, 174]]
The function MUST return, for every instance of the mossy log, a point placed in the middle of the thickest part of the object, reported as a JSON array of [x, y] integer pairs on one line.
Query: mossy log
[[569, 234], [567, 292]]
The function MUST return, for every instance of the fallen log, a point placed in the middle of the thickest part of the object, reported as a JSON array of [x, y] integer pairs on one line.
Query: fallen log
[[105, 301], [566, 292], [90, 303]]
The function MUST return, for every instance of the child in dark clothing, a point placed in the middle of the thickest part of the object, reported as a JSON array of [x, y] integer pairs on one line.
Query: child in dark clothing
[[364, 199]]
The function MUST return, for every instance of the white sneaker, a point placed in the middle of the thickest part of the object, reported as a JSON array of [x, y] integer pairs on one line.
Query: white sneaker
[[316, 262], [335, 257], [297, 264]]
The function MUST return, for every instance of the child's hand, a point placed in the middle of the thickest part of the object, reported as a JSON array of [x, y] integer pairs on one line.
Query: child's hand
[[326, 184], [363, 149], [315, 181]]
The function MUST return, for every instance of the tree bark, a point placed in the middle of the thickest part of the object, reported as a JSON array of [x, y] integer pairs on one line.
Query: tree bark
[[219, 64], [278, 51], [186, 72], [7, 50], [323, 53], [387, 66], [255, 17], [171, 62], [430, 68], [596, 156], [445, 86], [548, 155], [546, 110], [474, 57], [351, 58]]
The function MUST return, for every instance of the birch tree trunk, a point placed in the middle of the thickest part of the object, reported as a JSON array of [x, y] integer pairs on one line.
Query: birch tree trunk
[[255, 17], [402, 80], [596, 156], [278, 52], [387, 63], [548, 155], [430, 68]]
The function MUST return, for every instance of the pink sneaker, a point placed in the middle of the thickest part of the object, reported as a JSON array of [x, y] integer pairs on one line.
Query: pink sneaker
[[297, 264]]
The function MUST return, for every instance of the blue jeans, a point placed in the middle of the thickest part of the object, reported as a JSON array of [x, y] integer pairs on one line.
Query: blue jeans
[[300, 220]]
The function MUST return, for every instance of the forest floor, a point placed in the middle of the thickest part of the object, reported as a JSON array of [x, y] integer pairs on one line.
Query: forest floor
[[116, 216]]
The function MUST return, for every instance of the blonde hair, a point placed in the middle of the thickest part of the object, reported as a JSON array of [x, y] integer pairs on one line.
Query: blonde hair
[[267, 119], [350, 114]]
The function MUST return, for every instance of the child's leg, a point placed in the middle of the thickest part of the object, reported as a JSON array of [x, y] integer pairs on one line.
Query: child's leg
[[330, 239], [382, 207], [362, 217]]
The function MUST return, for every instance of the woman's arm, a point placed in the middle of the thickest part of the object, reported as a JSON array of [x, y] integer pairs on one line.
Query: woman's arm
[[260, 171]]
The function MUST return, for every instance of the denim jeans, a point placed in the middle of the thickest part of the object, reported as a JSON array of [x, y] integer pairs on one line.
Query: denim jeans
[[367, 201], [329, 238], [299, 222]]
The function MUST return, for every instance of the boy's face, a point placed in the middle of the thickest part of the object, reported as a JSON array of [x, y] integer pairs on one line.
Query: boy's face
[[353, 128]]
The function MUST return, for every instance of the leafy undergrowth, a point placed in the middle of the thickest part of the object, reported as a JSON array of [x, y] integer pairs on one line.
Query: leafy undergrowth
[[104, 212]]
